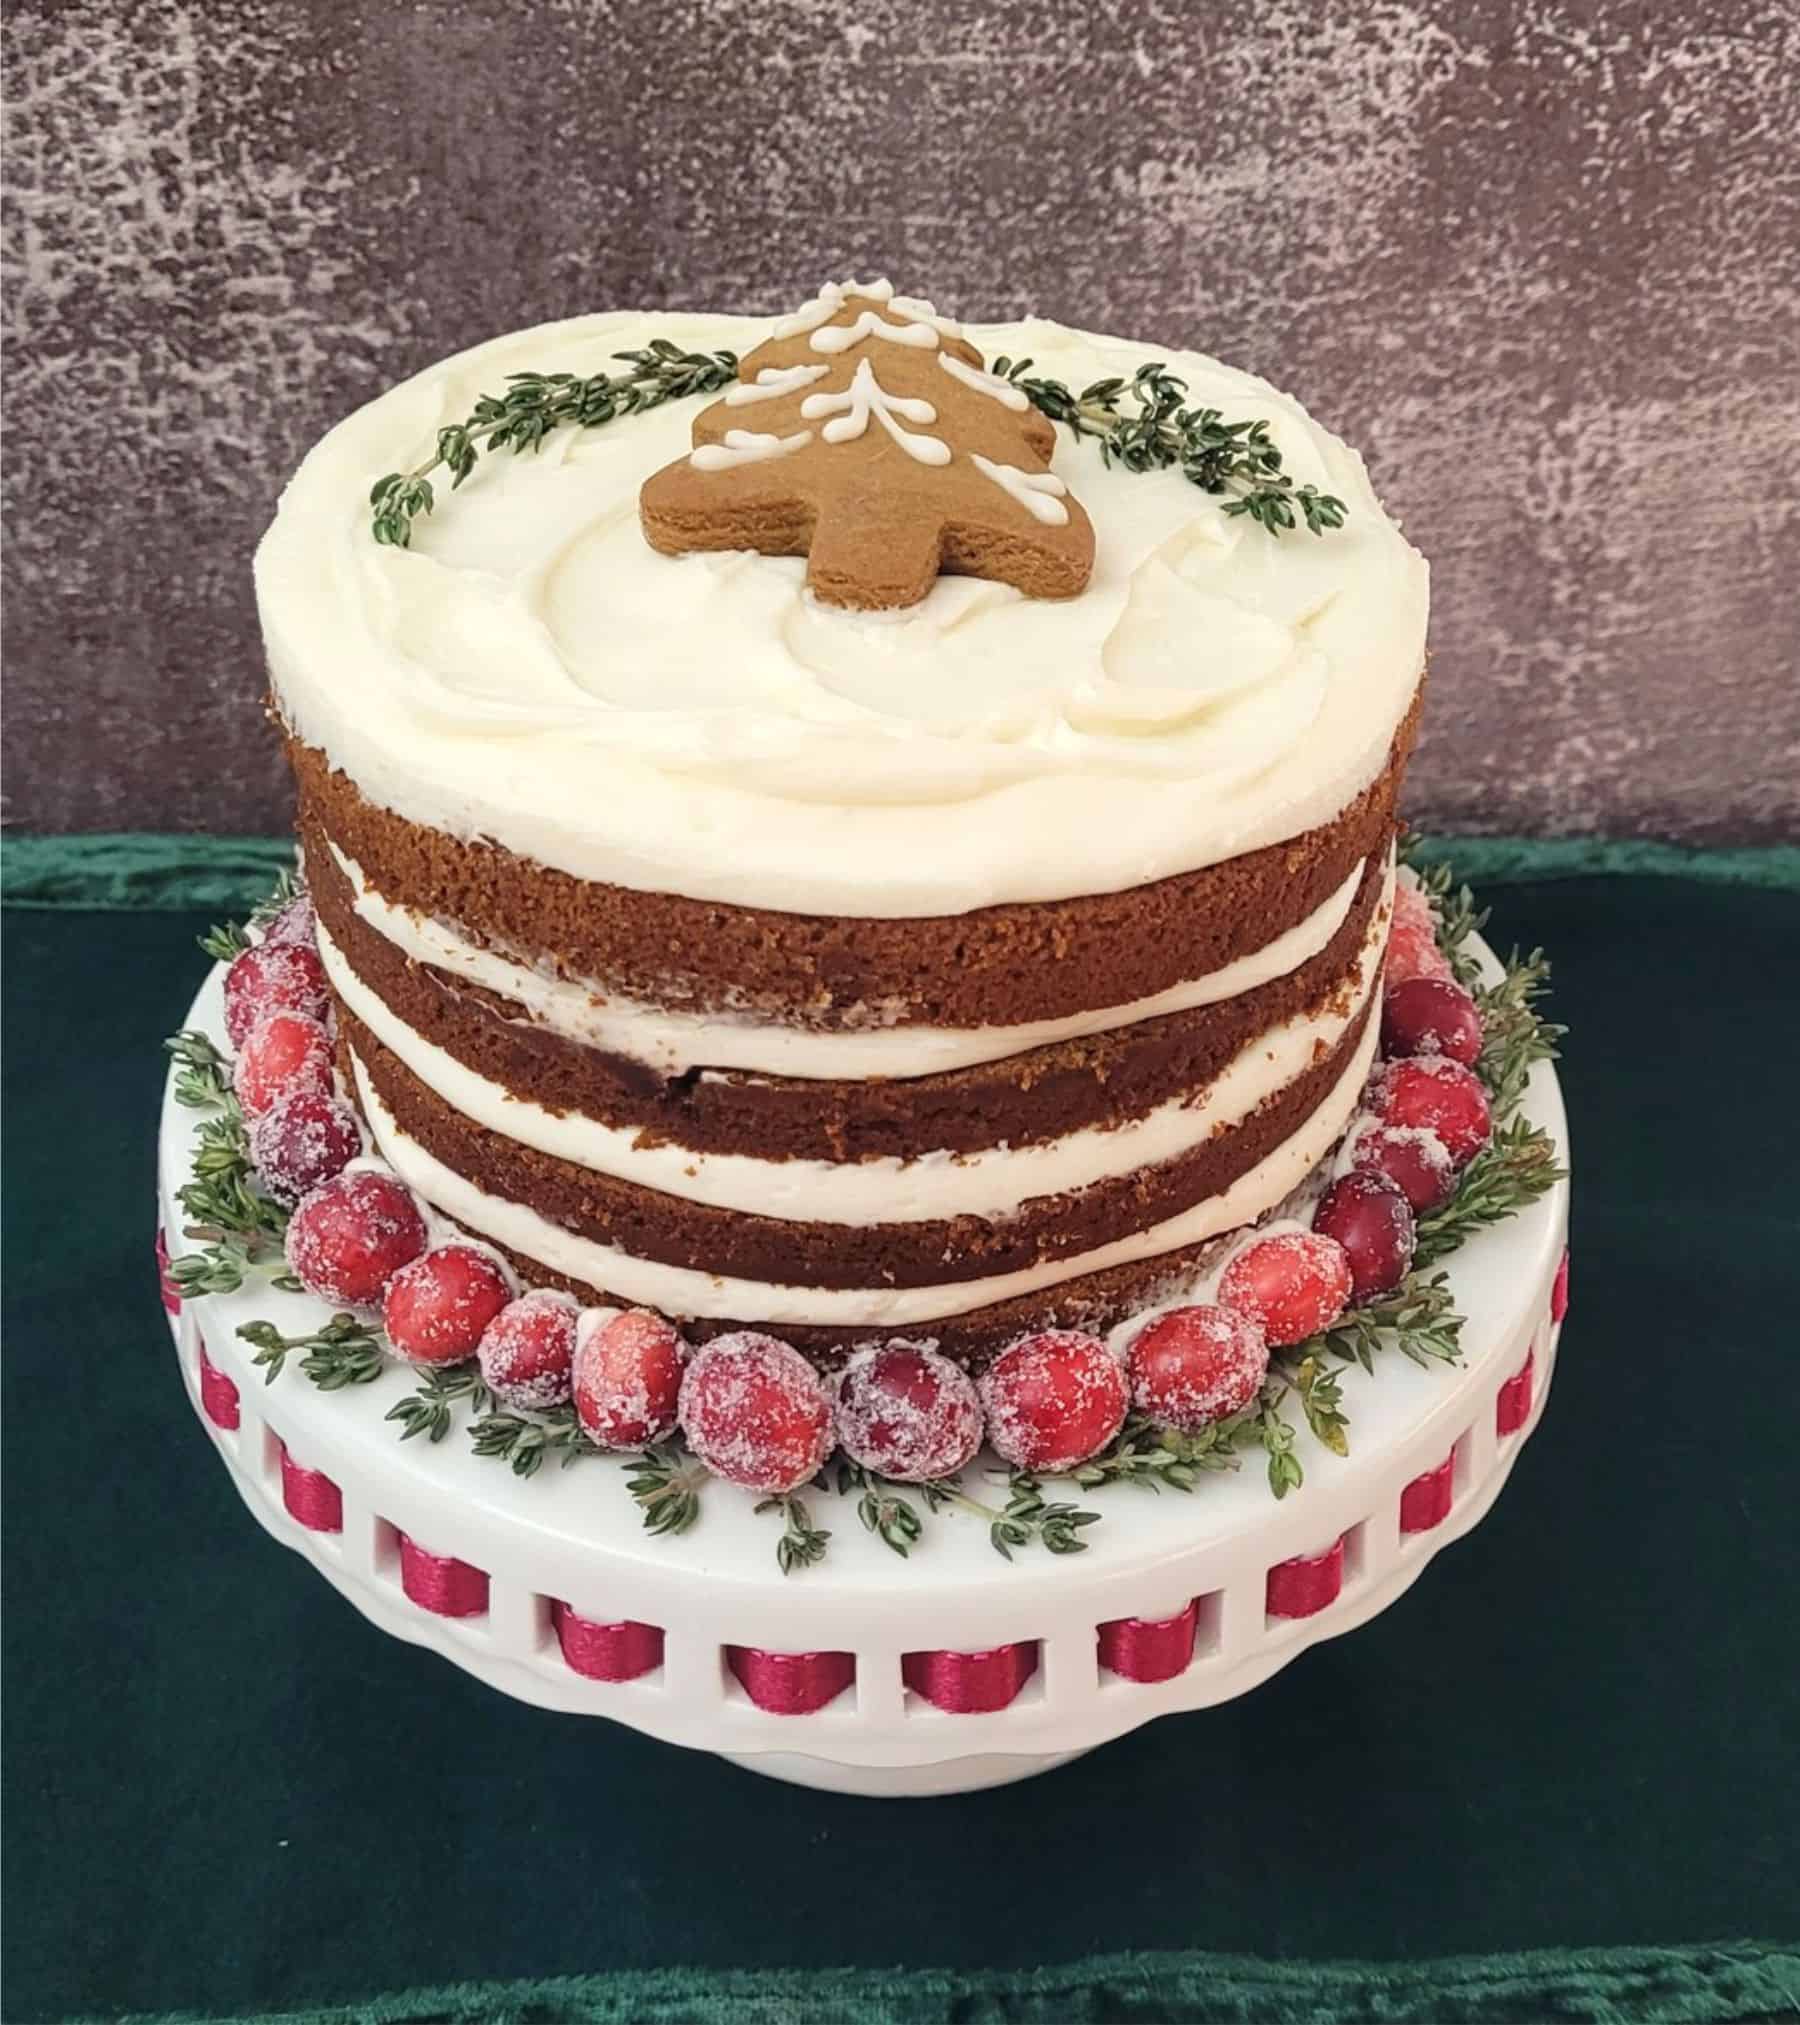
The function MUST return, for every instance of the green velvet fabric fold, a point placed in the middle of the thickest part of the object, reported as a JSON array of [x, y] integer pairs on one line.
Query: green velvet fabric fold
[[137, 869], [1649, 1986]]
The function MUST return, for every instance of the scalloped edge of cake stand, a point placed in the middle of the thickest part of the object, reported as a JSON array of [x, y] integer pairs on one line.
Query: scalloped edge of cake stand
[[1263, 1580]]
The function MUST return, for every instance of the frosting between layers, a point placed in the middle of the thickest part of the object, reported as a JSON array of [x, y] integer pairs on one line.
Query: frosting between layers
[[532, 672], [672, 1043], [930, 1187], [683, 1292]]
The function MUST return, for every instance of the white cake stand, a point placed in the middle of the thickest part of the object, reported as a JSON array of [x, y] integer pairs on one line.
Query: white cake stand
[[538, 1586]]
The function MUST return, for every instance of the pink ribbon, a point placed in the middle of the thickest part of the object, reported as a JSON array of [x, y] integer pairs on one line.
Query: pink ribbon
[[1513, 1406], [1304, 1585], [311, 1496], [1426, 1501], [791, 1683], [970, 1683], [1150, 1649], [1559, 1291], [621, 1651], [442, 1584], [171, 1293], [218, 1396]]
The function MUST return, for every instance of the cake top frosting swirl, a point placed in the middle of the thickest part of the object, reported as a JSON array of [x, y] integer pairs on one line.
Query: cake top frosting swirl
[[531, 671]]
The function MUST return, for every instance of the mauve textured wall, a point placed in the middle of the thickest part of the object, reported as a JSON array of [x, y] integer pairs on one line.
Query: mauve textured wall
[[1542, 262]]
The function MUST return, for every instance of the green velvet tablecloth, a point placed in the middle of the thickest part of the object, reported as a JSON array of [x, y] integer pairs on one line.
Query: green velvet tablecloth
[[1560, 1777]]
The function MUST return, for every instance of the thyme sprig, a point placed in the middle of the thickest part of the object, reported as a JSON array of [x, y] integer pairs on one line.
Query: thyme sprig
[[667, 1487], [1511, 1171], [237, 1226], [532, 406], [524, 1440], [203, 1076], [344, 1352], [801, 1543], [224, 941], [431, 1409], [1515, 1035], [1143, 423]]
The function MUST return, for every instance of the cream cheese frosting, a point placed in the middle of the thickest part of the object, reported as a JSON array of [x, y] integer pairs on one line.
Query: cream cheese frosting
[[532, 672]]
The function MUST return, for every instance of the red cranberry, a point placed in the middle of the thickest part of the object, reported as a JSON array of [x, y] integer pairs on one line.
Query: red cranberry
[[1431, 1016], [905, 1411], [1054, 1399], [527, 1350], [284, 1053], [350, 1236], [754, 1412], [1294, 1284], [1367, 1213], [435, 1310], [1416, 1162], [1196, 1365], [295, 923], [1434, 1094], [273, 977], [302, 1139], [1412, 949], [627, 1379]]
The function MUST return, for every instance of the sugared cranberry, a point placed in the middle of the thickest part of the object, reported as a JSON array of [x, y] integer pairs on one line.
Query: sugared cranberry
[[273, 977], [1434, 1094], [1367, 1213], [284, 1053], [1196, 1365], [1054, 1399], [527, 1350], [1416, 1162], [1412, 949], [295, 923], [905, 1411], [302, 1139], [628, 1379], [1293, 1284], [1430, 1016], [436, 1310], [351, 1236], [754, 1412]]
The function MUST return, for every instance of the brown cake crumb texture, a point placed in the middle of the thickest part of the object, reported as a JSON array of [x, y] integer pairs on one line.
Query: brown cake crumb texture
[[1003, 965]]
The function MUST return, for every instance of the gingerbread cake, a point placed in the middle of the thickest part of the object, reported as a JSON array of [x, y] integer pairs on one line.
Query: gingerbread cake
[[846, 858]]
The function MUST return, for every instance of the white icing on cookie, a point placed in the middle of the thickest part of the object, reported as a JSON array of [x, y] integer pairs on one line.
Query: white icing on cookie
[[991, 384], [826, 304], [866, 396], [1040, 492], [839, 337], [746, 446], [772, 382]]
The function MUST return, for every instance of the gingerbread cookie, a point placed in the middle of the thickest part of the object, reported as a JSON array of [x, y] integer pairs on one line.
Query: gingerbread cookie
[[867, 436]]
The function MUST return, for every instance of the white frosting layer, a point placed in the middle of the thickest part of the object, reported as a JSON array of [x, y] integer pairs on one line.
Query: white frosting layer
[[674, 1042], [993, 1183], [532, 671], [677, 1290]]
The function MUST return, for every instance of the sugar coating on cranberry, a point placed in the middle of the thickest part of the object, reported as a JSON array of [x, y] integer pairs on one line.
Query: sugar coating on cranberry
[[1417, 1162], [1367, 1213], [303, 1139], [906, 1411], [351, 1235], [627, 1377], [1431, 1016], [755, 1413], [1434, 1094], [295, 923], [1292, 1284], [273, 977], [435, 1310], [1196, 1365], [1412, 949], [283, 1053], [527, 1351], [1053, 1399]]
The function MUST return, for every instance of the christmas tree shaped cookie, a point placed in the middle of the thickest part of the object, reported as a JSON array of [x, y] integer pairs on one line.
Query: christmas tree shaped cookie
[[867, 436]]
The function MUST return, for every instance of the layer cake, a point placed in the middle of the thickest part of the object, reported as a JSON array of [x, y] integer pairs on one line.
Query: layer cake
[[946, 971]]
